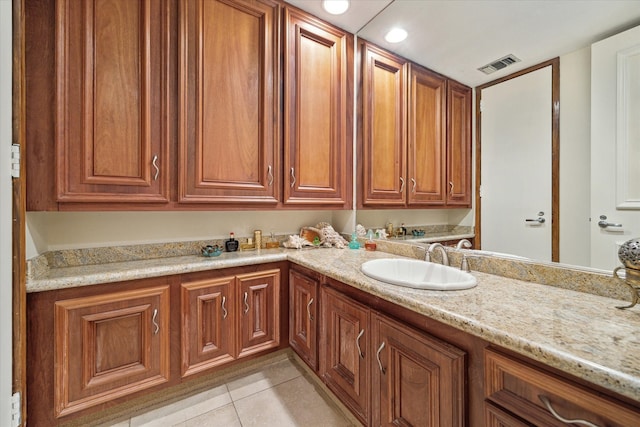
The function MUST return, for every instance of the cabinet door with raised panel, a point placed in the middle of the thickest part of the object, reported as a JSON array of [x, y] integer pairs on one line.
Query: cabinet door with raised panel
[[208, 322], [259, 304], [303, 316], [318, 112], [109, 346], [228, 86], [112, 132], [384, 142], [458, 145], [344, 342], [417, 380], [427, 154]]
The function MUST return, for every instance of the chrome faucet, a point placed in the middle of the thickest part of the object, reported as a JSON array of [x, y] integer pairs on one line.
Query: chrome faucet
[[434, 246]]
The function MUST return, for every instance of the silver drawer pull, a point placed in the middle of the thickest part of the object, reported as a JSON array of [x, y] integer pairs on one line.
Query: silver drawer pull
[[413, 183], [309, 309], [378, 357], [269, 176], [224, 310], [358, 344], [293, 177], [155, 324], [451, 188], [401, 184], [154, 162], [559, 418], [246, 304]]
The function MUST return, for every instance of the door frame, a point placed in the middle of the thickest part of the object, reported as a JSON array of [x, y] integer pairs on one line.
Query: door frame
[[555, 151], [19, 210]]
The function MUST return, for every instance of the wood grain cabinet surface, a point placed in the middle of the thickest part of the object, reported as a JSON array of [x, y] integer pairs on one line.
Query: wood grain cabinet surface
[[344, 363], [111, 136], [303, 316], [417, 380], [318, 112], [415, 139], [229, 97], [226, 318], [532, 395], [108, 346]]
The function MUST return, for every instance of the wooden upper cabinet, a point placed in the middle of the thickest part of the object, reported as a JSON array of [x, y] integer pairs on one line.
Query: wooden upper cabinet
[[459, 144], [318, 110], [384, 141], [427, 131], [111, 133], [228, 102]]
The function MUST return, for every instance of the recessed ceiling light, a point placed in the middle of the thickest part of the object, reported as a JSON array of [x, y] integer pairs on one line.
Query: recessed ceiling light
[[396, 35], [335, 7]]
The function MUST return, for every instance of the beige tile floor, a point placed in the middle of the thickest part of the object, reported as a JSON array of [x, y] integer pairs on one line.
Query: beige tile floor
[[279, 394]]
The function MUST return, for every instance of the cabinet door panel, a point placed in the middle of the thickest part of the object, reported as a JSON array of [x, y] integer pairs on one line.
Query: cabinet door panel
[[345, 345], [518, 387], [419, 380], [259, 325], [317, 112], [303, 317], [112, 134], [426, 156], [459, 145], [384, 127], [228, 100], [108, 346], [208, 313]]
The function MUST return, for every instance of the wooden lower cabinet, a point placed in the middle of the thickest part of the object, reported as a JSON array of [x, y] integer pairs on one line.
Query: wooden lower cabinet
[[532, 394], [108, 346], [208, 312], [344, 365], [259, 324], [303, 316], [417, 380], [92, 348], [387, 373], [229, 317]]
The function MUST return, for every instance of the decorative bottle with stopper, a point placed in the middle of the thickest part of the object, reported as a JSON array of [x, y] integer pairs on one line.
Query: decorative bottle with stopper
[[231, 245]]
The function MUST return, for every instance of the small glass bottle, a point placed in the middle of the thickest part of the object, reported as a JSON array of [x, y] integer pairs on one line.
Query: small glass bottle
[[354, 244], [231, 245], [369, 244]]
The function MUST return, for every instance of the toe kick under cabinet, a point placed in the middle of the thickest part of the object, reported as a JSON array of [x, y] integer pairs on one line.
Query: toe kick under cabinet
[[94, 347]]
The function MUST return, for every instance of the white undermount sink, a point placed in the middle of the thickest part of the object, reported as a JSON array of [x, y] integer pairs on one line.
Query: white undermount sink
[[418, 274]]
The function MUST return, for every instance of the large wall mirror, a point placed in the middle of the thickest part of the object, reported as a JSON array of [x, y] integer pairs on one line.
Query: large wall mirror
[[598, 174]]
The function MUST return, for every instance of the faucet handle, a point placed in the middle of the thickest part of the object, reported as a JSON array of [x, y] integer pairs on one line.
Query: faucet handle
[[464, 265], [463, 243]]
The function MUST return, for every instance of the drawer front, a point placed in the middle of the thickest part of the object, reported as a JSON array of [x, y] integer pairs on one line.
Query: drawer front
[[534, 395]]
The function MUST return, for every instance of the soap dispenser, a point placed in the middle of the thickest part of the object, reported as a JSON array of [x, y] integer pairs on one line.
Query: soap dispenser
[[231, 245]]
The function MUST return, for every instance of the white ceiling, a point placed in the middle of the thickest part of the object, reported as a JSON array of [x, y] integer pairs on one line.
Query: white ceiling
[[456, 37]]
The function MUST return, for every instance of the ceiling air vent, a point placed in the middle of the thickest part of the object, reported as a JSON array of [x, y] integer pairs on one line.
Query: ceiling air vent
[[499, 64]]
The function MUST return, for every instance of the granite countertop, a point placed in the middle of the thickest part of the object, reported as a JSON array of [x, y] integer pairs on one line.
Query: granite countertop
[[579, 333]]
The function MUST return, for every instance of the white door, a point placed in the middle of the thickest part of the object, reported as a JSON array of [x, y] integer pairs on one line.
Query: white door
[[5, 215], [615, 145], [516, 166]]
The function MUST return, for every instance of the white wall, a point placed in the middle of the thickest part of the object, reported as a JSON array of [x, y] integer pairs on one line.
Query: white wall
[[575, 157], [5, 214], [66, 230]]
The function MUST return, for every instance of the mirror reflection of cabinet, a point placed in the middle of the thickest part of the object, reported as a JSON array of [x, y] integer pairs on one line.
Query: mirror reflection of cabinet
[[415, 140]]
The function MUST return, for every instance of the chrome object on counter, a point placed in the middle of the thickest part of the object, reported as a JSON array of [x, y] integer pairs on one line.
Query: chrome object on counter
[[629, 254]]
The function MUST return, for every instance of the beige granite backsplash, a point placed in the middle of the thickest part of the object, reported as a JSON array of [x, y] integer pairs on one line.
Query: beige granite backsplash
[[561, 276], [558, 275]]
